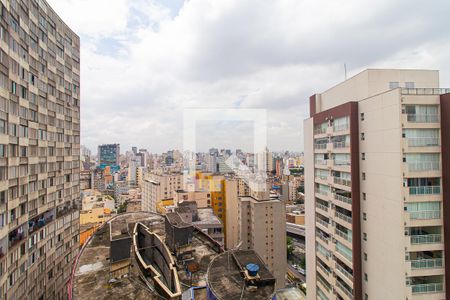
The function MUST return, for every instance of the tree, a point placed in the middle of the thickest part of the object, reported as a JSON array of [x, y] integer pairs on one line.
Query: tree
[[122, 208], [289, 245]]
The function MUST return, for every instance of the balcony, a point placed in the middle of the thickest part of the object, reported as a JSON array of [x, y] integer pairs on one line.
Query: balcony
[[424, 190], [340, 145], [321, 130], [422, 118], [424, 166], [322, 146], [427, 288], [425, 215], [423, 141], [341, 181], [343, 199], [322, 207], [426, 239], [432, 263], [424, 91], [323, 237], [345, 236], [344, 272], [341, 127], [348, 292], [322, 222], [344, 217]]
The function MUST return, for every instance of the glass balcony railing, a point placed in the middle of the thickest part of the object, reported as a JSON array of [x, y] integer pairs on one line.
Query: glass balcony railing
[[432, 263], [343, 217], [320, 146], [423, 141], [342, 181], [320, 130], [325, 270], [321, 162], [425, 91], [323, 237], [340, 145], [322, 207], [338, 162], [424, 166], [426, 239], [422, 118], [322, 222], [425, 215], [424, 190], [427, 288], [343, 198], [344, 272], [347, 292], [341, 127], [345, 236]]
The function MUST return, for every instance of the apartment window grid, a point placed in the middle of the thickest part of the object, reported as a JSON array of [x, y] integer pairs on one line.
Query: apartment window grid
[[60, 102]]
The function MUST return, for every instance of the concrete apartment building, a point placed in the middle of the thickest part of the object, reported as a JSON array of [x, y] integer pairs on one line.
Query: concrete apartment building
[[377, 212], [39, 151], [159, 187], [262, 227], [109, 154]]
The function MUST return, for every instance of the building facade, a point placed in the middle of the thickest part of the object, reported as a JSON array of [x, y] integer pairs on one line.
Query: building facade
[[159, 187], [39, 151], [109, 155], [375, 194], [262, 227]]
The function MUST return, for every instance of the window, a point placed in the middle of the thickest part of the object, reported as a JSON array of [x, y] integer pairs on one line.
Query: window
[[362, 136], [3, 150], [364, 196], [409, 85], [366, 278], [365, 256], [365, 236], [363, 176], [362, 116], [393, 85], [364, 216], [363, 156]]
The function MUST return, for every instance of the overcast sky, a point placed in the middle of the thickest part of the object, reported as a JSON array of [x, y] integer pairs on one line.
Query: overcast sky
[[144, 61]]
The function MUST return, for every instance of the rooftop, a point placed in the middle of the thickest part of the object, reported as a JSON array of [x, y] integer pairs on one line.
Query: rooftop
[[207, 216], [91, 279], [226, 277]]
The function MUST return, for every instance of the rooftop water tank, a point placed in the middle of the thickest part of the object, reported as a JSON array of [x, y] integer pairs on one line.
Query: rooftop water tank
[[252, 269]]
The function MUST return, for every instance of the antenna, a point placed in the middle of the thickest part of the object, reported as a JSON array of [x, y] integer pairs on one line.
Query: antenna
[[345, 71]]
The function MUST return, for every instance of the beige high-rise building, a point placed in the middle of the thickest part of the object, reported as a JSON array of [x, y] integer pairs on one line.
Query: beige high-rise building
[[262, 227], [158, 187], [376, 183], [39, 151]]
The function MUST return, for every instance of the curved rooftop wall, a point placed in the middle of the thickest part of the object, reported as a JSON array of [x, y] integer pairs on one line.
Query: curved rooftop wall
[[156, 262]]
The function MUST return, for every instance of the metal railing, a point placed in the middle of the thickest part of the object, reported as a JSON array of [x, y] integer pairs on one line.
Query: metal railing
[[325, 270], [343, 235], [322, 192], [339, 145], [427, 288], [424, 190], [423, 141], [320, 146], [344, 289], [321, 206], [321, 130], [342, 181], [338, 162], [322, 222], [320, 161], [431, 263], [422, 118], [343, 217], [424, 166], [341, 127], [424, 91], [425, 215], [344, 271], [343, 198], [322, 237], [426, 239]]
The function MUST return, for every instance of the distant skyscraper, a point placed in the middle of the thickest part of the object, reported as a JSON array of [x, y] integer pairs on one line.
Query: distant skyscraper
[[39, 151], [377, 189], [109, 154]]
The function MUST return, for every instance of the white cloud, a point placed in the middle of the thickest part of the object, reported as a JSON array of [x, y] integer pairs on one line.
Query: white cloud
[[142, 62]]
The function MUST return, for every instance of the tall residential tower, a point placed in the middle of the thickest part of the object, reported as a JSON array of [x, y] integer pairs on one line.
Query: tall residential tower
[[39, 150], [377, 189]]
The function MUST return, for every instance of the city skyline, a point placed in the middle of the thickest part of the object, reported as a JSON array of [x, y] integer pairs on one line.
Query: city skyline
[[154, 60]]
